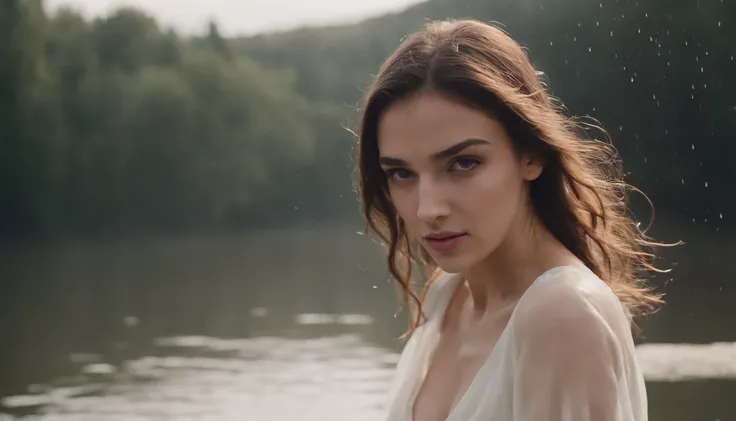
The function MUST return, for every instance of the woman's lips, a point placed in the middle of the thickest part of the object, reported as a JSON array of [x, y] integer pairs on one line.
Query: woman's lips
[[445, 243]]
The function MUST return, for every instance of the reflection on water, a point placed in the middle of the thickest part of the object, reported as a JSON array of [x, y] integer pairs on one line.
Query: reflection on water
[[669, 362], [214, 379], [306, 325], [339, 377]]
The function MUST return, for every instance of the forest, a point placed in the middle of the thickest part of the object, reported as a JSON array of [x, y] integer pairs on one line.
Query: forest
[[119, 127]]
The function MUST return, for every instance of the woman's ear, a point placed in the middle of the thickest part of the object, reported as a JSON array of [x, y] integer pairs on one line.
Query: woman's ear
[[531, 167]]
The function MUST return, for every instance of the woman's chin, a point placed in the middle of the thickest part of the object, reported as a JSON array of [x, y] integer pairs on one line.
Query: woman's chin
[[452, 264]]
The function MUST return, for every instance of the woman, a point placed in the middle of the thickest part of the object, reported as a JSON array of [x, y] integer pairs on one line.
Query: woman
[[469, 171]]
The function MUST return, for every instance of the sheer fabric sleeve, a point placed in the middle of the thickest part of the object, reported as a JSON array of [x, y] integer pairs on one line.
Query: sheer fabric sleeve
[[414, 356], [571, 349]]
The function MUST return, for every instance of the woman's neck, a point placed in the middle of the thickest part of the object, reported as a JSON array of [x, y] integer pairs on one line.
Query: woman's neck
[[528, 251]]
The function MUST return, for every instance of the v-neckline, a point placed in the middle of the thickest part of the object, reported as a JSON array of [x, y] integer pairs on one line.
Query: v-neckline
[[427, 360]]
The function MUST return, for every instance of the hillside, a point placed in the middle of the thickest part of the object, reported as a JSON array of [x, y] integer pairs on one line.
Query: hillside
[[654, 73], [116, 126]]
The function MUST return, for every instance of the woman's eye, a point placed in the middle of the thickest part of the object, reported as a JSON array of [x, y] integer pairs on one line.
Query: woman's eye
[[398, 174], [464, 164]]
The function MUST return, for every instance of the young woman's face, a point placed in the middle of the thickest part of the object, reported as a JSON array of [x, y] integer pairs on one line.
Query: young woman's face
[[453, 177]]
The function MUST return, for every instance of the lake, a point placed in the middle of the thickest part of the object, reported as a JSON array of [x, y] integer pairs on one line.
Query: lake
[[280, 325]]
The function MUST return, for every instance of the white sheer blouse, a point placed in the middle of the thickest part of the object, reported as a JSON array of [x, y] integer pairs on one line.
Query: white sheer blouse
[[566, 354]]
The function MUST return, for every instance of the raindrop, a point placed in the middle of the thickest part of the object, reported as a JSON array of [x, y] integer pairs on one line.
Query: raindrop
[[693, 86], [705, 86], [296, 207], [638, 30], [632, 79], [685, 42], [550, 43], [597, 24], [706, 184], [719, 22], [620, 128], [601, 5], [590, 49], [611, 33], [682, 180], [701, 69], [720, 215], [654, 96], [693, 146], [651, 39], [645, 159], [646, 15]]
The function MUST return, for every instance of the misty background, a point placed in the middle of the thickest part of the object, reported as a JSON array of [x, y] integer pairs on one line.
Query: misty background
[[179, 231]]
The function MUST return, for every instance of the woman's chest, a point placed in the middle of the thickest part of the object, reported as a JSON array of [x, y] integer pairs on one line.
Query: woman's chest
[[459, 361]]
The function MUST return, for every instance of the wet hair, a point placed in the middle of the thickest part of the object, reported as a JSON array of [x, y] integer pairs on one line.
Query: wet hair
[[580, 196]]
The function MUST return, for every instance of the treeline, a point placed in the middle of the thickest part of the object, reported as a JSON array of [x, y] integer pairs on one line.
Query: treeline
[[658, 75], [115, 126], [118, 126]]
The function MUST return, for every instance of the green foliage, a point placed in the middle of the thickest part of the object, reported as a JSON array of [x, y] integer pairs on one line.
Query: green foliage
[[115, 126], [120, 128]]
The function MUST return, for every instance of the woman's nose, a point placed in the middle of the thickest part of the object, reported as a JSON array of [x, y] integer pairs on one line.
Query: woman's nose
[[432, 205]]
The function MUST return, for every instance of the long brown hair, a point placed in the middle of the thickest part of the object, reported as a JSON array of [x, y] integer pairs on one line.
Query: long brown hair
[[580, 197]]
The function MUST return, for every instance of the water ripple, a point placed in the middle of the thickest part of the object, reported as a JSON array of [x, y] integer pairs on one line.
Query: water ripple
[[199, 378], [263, 379]]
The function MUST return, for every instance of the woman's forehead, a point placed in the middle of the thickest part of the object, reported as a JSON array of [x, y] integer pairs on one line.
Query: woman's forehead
[[429, 123]]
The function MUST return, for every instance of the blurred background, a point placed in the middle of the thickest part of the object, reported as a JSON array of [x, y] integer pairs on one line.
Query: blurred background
[[179, 233]]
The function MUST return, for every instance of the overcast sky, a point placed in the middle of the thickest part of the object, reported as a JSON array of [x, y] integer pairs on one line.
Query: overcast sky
[[243, 16]]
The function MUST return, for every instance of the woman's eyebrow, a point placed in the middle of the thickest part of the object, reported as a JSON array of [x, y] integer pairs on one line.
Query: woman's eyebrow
[[438, 156]]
